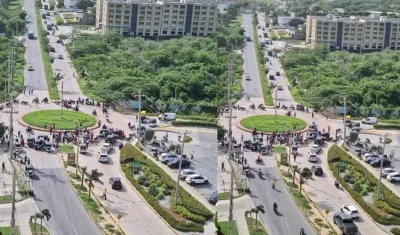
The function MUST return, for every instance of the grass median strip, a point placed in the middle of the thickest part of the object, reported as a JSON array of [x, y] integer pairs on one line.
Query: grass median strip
[[267, 123]]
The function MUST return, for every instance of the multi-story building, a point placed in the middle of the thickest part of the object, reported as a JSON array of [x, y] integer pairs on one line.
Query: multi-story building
[[355, 33], [151, 18]]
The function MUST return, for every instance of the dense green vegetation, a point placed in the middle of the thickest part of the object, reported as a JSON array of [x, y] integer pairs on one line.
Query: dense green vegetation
[[12, 24], [322, 78], [188, 70]]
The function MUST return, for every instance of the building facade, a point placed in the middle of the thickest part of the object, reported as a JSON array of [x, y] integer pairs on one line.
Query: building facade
[[355, 33], [151, 18]]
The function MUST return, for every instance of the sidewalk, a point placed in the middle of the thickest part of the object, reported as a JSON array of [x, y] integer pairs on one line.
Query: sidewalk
[[25, 209], [240, 206], [6, 177], [224, 177]]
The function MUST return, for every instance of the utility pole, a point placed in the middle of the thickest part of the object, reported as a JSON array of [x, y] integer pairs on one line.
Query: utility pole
[[380, 170], [230, 155], [344, 119], [276, 101], [10, 136], [139, 96], [180, 165], [62, 98]]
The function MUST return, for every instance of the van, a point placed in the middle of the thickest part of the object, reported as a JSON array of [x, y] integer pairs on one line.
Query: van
[[167, 116], [369, 120]]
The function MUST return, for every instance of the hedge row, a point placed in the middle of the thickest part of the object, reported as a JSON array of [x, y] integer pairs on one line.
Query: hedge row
[[336, 154], [395, 231], [181, 226], [387, 126], [130, 153], [194, 123]]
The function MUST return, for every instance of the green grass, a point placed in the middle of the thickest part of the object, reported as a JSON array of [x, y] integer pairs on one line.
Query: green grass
[[255, 226], [301, 201], [224, 228], [66, 148], [268, 100], [5, 199], [45, 231], [266, 123], [91, 206], [70, 120], [7, 230], [48, 69], [279, 149], [223, 196]]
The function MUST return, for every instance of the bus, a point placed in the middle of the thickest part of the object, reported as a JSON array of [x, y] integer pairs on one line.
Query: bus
[[30, 34]]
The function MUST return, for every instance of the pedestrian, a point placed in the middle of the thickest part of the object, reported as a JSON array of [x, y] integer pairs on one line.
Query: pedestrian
[[329, 129], [312, 114], [294, 114], [3, 167], [223, 166], [294, 156], [192, 155], [273, 184], [29, 161], [105, 194]]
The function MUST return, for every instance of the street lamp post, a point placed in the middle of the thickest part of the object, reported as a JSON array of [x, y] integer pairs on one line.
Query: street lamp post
[[62, 98], [380, 170]]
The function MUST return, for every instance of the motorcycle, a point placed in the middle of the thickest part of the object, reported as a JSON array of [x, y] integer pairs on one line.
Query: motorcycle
[[275, 207], [337, 184], [259, 161], [94, 113]]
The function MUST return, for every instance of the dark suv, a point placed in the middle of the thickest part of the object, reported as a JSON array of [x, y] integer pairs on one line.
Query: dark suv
[[377, 162], [345, 223], [115, 183]]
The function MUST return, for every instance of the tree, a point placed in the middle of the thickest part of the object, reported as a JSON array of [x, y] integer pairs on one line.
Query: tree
[[60, 3], [148, 134], [84, 4], [92, 177], [259, 208], [45, 213], [248, 213], [33, 220], [83, 171], [295, 22], [295, 169], [305, 174]]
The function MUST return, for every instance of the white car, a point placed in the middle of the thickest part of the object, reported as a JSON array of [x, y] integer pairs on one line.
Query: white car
[[388, 171], [106, 147], [196, 179], [351, 211], [315, 148], [312, 157], [365, 156], [186, 173], [30, 67], [248, 77], [394, 177], [372, 158], [60, 56], [103, 157]]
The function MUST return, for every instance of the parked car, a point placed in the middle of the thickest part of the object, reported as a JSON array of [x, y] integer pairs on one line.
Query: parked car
[[60, 56], [278, 74], [196, 179], [366, 155], [345, 223], [213, 198], [315, 148], [169, 158], [388, 171], [175, 163], [317, 169], [115, 183], [187, 172], [351, 211], [312, 157], [371, 158], [394, 177], [377, 162]]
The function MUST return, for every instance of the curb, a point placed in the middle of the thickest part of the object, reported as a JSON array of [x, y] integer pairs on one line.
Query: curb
[[76, 193], [238, 125], [22, 123], [144, 200], [344, 190]]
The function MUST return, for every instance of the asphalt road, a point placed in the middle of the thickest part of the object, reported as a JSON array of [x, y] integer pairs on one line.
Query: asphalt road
[[251, 88], [204, 146], [34, 79]]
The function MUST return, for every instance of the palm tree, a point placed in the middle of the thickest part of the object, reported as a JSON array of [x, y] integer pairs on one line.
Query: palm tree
[[295, 169], [33, 220], [93, 176], [83, 171], [44, 214], [259, 208], [305, 174], [254, 210], [247, 213]]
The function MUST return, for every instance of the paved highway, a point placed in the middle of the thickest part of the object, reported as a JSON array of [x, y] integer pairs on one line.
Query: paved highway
[[33, 79]]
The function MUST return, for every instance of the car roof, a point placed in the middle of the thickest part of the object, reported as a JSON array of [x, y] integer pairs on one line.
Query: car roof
[[116, 178], [318, 166], [394, 173], [343, 215], [188, 170], [106, 144], [195, 175]]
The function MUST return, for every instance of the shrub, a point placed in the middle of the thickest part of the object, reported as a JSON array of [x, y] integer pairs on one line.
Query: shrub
[[395, 231], [153, 191], [181, 210], [160, 195], [194, 123], [336, 154], [387, 126]]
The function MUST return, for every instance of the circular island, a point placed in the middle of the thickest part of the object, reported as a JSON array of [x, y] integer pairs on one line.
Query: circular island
[[266, 123], [44, 119]]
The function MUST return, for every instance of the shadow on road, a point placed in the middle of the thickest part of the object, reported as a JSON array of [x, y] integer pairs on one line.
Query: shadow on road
[[54, 177]]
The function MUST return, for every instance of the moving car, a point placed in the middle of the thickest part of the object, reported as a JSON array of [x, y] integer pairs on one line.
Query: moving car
[[369, 120], [271, 77], [29, 170], [278, 74], [351, 211], [60, 56], [280, 88], [175, 163], [196, 179], [315, 148], [317, 170], [30, 67], [372, 158], [377, 162], [103, 157], [106, 147], [388, 171], [115, 183], [312, 157], [167, 116], [248, 77], [187, 172], [345, 223], [394, 177], [213, 198]]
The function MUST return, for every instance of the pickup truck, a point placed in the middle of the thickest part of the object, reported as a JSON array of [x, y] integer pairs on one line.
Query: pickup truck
[[345, 223]]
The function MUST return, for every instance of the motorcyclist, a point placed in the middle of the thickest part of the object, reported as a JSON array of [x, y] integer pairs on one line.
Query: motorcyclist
[[273, 184], [302, 231], [259, 159], [259, 172], [337, 184], [275, 206]]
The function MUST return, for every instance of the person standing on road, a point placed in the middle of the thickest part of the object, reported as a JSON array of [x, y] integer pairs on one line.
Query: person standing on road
[[223, 166], [273, 184], [105, 194], [3, 167]]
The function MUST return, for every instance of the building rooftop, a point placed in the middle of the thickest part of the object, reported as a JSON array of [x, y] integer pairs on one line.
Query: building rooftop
[[164, 1], [371, 18]]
